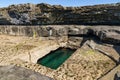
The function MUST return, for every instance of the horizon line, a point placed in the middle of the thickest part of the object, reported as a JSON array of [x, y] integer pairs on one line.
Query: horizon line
[[61, 4]]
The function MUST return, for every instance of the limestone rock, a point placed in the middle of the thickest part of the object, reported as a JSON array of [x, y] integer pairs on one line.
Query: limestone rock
[[18, 73], [31, 14], [107, 34]]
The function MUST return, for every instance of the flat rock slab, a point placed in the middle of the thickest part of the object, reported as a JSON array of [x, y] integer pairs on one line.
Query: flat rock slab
[[113, 74], [18, 73]]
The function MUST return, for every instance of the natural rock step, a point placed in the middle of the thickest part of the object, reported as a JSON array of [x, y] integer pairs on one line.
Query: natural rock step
[[13, 72], [107, 34], [112, 74], [32, 66]]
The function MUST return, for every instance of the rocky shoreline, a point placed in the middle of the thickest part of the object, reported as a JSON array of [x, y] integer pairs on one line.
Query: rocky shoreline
[[30, 31], [91, 57]]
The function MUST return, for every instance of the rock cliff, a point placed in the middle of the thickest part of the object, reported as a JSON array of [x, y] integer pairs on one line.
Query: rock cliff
[[40, 14], [108, 34], [64, 25]]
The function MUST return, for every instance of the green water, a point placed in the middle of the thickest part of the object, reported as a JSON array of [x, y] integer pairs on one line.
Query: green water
[[55, 58]]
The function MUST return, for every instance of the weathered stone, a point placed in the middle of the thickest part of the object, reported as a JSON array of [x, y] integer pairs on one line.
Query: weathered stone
[[27, 14], [74, 42], [106, 34], [114, 74], [109, 34], [18, 73]]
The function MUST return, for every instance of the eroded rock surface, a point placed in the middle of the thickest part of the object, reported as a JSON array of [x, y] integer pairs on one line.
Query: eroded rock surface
[[85, 63], [113, 74], [18, 73], [36, 14], [108, 34]]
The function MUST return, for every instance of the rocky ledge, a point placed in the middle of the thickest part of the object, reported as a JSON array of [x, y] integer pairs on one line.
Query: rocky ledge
[[35, 14], [107, 34], [20, 20], [18, 73]]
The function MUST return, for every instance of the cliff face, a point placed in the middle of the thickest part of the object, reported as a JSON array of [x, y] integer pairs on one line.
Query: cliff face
[[56, 14], [109, 34]]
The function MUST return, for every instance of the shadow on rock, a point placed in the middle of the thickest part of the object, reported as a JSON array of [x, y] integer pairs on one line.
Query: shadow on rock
[[117, 76], [117, 48]]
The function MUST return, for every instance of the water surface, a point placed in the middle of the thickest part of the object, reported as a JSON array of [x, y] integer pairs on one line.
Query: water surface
[[55, 58]]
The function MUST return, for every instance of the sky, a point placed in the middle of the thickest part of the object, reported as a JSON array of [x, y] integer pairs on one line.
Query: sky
[[5, 3]]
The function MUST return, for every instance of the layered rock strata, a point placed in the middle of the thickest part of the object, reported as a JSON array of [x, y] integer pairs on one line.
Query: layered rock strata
[[108, 34], [35, 14]]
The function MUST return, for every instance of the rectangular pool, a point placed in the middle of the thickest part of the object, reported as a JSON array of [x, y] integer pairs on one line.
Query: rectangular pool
[[55, 58]]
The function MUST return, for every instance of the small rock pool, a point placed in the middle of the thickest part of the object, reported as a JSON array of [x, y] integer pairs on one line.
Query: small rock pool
[[55, 58]]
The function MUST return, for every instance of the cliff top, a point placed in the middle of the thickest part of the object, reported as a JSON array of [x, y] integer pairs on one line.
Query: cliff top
[[39, 14]]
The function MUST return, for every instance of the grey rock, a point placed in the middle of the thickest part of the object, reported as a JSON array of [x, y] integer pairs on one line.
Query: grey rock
[[12, 72], [107, 34], [39, 14], [74, 42]]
